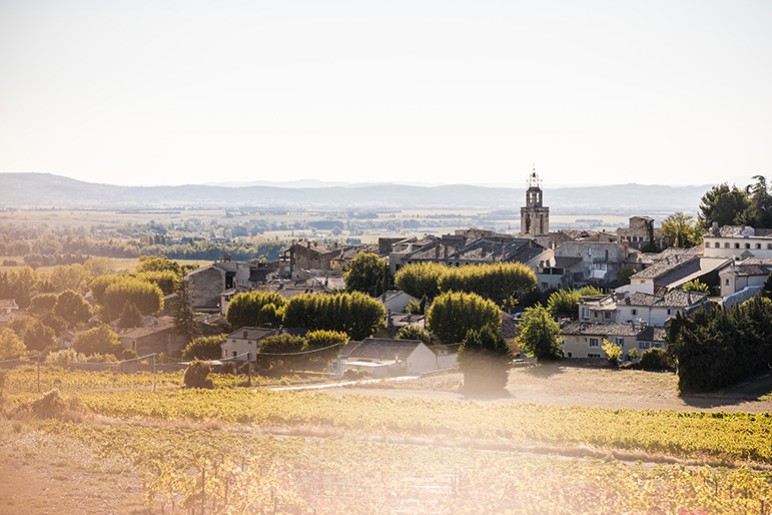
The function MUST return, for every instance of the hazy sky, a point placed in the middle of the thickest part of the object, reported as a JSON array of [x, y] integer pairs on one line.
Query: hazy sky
[[165, 92]]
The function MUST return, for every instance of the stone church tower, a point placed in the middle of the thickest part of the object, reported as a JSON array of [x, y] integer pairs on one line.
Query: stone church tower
[[534, 217]]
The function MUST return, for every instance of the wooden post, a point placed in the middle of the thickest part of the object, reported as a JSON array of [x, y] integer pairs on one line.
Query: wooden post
[[38, 362], [154, 372]]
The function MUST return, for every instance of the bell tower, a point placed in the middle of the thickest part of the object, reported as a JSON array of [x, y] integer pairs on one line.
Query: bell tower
[[534, 217]]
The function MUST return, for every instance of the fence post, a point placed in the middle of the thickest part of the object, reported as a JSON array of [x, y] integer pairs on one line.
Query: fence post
[[38, 363], [154, 371]]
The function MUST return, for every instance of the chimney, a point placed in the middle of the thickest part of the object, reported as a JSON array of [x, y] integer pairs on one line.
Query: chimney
[[715, 230], [308, 244], [437, 251]]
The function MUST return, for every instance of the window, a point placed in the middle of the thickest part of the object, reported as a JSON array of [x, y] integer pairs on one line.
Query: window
[[758, 246], [643, 345], [593, 355], [633, 312], [607, 315], [619, 341], [726, 245], [669, 311], [594, 342], [717, 245], [726, 282], [769, 246], [585, 313], [234, 354], [656, 345], [737, 245], [747, 245], [570, 355]]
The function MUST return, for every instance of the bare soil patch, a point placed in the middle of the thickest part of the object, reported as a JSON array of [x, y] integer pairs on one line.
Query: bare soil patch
[[43, 474], [565, 385]]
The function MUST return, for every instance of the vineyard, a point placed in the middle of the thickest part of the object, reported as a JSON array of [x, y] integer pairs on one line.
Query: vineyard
[[253, 450]]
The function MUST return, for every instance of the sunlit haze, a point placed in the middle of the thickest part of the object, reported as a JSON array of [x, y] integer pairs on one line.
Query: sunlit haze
[[423, 91]]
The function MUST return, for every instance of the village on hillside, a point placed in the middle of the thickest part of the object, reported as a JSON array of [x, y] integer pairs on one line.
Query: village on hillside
[[627, 285]]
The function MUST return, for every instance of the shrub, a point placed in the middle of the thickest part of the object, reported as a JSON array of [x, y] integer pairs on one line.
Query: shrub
[[204, 347], [197, 375], [52, 405], [655, 359], [613, 352], [484, 358], [414, 332]]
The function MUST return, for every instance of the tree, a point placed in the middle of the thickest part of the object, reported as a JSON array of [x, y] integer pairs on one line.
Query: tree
[[130, 316], [453, 314], [98, 340], [414, 332], [680, 230], [367, 273], [157, 264], [197, 375], [72, 307], [146, 296], [613, 352], [167, 280], [722, 205], [355, 313], [484, 358], [696, 285], [255, 309], [36, 335], [564, 304], [502, 283], [624, 274], [204, 348], [420, 279], [184, 317], [758, 214], [42, 303], [11, 346], [539, 334]]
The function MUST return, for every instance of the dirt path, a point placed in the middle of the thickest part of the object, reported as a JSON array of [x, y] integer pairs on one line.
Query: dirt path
[[44, 476]]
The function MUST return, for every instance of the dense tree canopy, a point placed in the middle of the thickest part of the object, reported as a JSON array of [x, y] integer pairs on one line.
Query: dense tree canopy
[[256, 309], [367, 273], [722, 205], [539, 334], [355, 313], [73, 308], [453, 314], [11, 346], [565, 303], [98, 340], [204, 348], [421, 280], [714, 348], [484, 358], [500, 282], [680, 230], [36, 335], [146, 296]]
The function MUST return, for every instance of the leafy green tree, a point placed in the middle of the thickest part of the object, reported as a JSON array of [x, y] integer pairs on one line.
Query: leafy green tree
[[367, 273], [453, 314], [722, 205], [184, 317], [624, 274], [36, 335], [758, 214], [146, 296], [11, 346], [564, 304], [321, 339], [355, 313], [130, 316], [414, 332], [502, 283], [197, 375], [167, 280], [696, 285], [420, 279], [255, 309], [484, 358], [680, 229], [158, 264], [204, 348], [613, 352], [539, 334], [98, 340], [42, 303], [100, 284], [73, 308]]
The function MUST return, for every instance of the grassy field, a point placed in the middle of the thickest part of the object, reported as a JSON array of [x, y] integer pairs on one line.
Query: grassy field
[[413, 448]]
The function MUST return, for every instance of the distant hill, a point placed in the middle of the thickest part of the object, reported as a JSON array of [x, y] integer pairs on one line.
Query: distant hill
[[37, 190]]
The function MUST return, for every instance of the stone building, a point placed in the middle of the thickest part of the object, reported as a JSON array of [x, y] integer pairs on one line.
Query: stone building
[[534, 216]]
